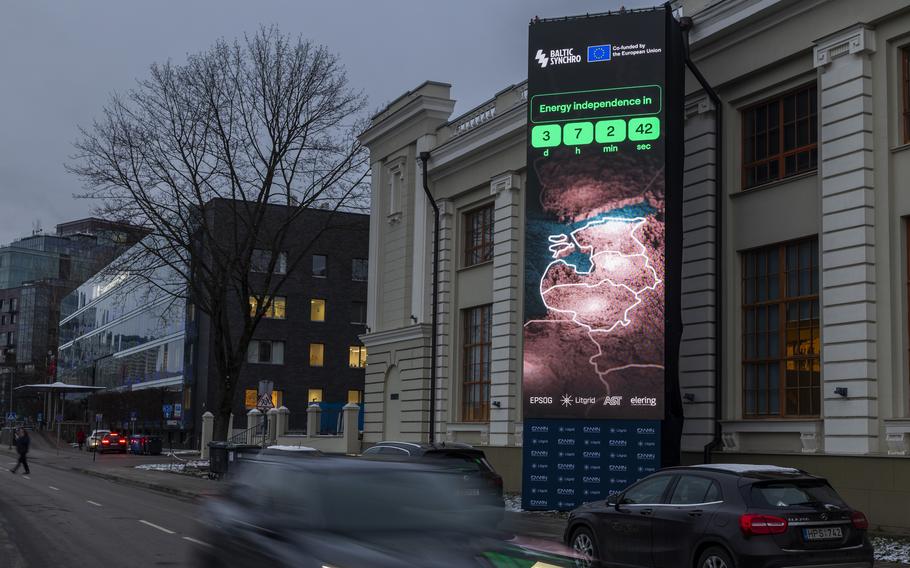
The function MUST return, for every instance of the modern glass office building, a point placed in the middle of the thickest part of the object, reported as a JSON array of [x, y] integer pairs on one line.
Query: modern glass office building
[[119, 334]]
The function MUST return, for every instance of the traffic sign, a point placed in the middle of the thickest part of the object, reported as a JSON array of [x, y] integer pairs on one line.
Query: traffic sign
[[265, 402], [10, 415], [168, 410], [134, 415], [178, 410]]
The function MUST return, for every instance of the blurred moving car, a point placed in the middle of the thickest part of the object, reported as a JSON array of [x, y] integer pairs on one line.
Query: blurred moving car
[[723, 516], [93, 441], [144, 444], [482, 480], [112, 442], [341, 511]]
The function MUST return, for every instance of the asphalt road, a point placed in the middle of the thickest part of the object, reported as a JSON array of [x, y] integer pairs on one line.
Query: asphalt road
[[63, 518]]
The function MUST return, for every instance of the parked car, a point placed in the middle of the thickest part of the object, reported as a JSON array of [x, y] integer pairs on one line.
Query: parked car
[[723, 516], [145, 445], [353, 512], [93, 441], [484, 481], [112, 442]]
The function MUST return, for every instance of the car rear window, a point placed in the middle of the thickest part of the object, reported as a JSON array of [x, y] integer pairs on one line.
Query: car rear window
[[462, 461], [796, 493]]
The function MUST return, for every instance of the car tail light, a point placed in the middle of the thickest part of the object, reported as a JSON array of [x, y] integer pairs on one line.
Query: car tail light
[[122, 441], [752, 525], [859, 520], [108, 442]]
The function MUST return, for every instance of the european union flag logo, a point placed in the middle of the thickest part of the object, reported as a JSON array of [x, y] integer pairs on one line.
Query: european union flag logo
[[598, 53]]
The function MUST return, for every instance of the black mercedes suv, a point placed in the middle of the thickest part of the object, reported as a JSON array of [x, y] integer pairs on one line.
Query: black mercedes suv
[[723, 516]]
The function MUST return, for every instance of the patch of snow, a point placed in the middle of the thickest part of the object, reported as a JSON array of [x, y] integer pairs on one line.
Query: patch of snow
[[744, 467], [891, 550], [175, 467], [513, 502], [292, 448]]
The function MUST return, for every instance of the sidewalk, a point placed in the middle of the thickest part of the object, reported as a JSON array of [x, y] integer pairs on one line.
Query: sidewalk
[[120, 468]]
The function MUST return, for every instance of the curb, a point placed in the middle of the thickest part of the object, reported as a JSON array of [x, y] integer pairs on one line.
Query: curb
[[173, 491]]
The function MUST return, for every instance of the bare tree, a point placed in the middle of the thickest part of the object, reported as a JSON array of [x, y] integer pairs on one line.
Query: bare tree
[[198, 154]]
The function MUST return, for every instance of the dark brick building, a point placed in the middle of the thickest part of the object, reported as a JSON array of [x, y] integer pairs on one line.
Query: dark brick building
[[309, 346]]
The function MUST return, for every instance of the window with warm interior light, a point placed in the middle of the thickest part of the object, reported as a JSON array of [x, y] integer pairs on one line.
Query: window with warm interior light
[[317, 354], [317, 310], [355, 397], [357, 357], [781, 332], [314, 395], [276, 309]]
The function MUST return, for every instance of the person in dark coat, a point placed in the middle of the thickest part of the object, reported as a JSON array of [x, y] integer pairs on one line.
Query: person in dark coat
[[22, 443], [80, 438]]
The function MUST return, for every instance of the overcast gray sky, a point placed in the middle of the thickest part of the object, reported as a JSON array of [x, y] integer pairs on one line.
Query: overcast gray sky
[[59, 62]]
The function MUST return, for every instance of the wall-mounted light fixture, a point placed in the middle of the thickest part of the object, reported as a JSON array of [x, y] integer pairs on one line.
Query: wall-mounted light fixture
[[497, 404], [689, 397], [841, 391]]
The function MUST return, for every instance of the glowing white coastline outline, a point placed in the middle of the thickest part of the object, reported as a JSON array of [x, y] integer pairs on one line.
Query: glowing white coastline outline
[[559, 242]]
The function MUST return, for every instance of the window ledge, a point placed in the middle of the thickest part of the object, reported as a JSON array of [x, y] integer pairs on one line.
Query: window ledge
[[464, 268], [900, 148], [773, 184], [810, 431]]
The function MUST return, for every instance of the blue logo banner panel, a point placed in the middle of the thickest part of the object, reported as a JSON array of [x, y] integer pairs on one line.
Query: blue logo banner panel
[[570, 462]]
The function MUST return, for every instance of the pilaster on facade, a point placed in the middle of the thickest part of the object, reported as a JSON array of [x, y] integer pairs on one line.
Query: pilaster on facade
[[446, 399], [699, 299], [847, 240], [504, 395]]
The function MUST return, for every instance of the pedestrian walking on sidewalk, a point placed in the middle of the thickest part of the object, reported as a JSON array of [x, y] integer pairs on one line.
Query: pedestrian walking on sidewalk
[[80, 439], [22, 442]]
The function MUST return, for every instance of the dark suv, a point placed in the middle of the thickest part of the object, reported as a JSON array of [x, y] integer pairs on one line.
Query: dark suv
[[480, 477], [723, 516]]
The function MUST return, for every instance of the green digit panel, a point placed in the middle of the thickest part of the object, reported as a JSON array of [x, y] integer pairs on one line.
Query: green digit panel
[[608, 131], [546, 136], [647, 128], [576, 133]]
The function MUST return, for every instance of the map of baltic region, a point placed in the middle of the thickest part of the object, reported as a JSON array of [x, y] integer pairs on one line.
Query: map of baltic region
[[599, 343]]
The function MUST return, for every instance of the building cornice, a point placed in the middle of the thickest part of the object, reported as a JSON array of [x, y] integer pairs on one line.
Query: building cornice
[[409, 333], [855, 40], [436, 108], [451, 156]]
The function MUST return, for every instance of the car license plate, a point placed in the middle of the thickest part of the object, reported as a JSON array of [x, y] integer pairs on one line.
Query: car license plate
[[823, 533]]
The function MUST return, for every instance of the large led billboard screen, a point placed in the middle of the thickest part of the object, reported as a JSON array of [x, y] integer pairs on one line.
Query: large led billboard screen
[[595, 262]]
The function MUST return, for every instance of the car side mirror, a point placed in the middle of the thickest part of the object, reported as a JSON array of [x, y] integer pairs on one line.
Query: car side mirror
[[613, 501]]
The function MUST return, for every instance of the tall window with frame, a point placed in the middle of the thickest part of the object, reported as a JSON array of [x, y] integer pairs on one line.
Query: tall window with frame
[[905, 94], [478, 235], [780, 137], [781, 332], [476, 375]]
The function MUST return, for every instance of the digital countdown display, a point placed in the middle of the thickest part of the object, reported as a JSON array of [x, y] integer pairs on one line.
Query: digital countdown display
[[570, 462], [594, 282]]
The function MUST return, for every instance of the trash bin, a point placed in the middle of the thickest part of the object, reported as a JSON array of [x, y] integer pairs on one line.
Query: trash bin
[[153, 445], [218, 457]]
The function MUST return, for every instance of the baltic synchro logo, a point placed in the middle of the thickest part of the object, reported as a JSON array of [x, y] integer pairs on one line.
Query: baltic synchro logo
[[556, 57]]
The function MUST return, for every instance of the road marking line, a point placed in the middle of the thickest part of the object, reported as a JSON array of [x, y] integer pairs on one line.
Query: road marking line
[[154, 526], [191, 539], [93, 503], [54, 488]]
